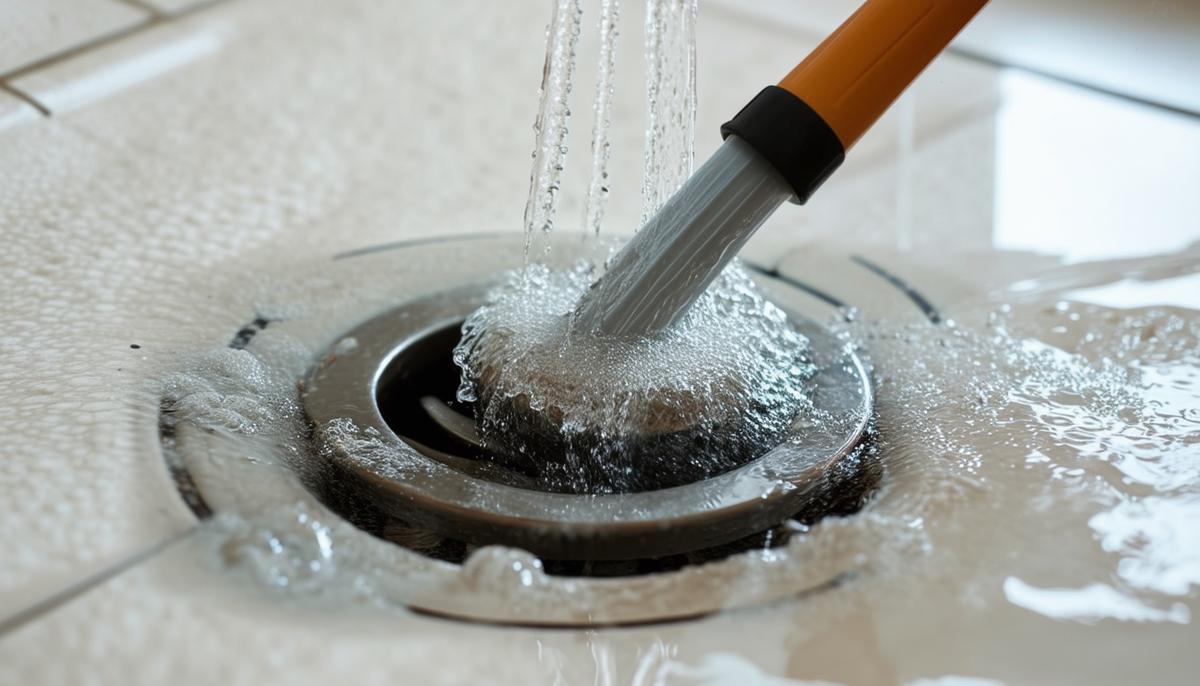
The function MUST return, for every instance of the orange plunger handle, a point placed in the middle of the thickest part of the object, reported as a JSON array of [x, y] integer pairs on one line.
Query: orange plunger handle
[[860, 69], [804, 126]]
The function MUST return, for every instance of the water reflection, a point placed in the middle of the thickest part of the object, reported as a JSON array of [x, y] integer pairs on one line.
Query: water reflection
[[1091, 176]]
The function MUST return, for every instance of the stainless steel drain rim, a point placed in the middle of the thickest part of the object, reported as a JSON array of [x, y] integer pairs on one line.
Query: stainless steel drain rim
[[343, 386]]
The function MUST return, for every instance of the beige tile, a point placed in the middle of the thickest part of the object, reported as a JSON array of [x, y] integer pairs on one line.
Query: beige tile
[[181, 618], [173, 618], [377, 129], [130, 208], [36, 29], [14, 111], [130, 212], [116, 67], [81, 479]]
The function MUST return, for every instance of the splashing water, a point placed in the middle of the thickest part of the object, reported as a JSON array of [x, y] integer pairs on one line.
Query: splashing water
[[723, 383], [1040, 494], [1041, 486]]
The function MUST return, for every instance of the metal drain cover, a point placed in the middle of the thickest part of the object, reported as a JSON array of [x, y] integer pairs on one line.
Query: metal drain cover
[[459, 497]]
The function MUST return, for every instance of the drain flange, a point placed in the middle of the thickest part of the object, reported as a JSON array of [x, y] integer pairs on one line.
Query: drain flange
[[402, 356]]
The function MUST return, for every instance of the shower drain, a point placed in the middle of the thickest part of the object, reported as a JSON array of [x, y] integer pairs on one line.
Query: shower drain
[[383, 404], [371, 453]]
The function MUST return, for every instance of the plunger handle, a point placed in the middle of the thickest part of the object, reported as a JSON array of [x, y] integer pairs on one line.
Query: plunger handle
[[821, 108]]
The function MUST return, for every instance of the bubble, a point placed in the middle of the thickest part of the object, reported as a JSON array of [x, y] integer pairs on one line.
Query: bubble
[[288, 550], [707, 394], [503, 570]]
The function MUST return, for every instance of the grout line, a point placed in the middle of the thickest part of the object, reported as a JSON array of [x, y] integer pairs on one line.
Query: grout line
[[1071, 81], [761, 21], [78, 49], [396, 245], [78, 588], [144, 6], [106, 39], [774, 273], [25, 97], [931, 313]]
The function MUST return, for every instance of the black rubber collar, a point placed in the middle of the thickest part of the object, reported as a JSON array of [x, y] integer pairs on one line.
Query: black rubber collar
[[791, 136]]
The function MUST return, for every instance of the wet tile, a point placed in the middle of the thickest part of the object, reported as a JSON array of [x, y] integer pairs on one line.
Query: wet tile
[[182, 617], [83, 481], [111, 69], [14, 111], [139, 194], [204, 612], [36, 29], [150, 186]]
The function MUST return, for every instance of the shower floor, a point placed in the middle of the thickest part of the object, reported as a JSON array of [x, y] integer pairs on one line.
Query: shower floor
[[1029, 307]]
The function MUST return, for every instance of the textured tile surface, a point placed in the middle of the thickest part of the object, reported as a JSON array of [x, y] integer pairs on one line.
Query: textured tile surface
[[154, 187], [80, 484], [31, 30], [171, 620], [120, 66], [303, 128], [14, 111]]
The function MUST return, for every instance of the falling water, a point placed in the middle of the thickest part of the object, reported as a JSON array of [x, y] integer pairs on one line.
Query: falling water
[[670, 29], [1039, 510], [670, 54], [598, 186], [550, 128]]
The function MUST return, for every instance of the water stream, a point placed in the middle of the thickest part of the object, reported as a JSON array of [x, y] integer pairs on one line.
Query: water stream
[[1041, 449], [551, 127], [598, 183], [670, 39]]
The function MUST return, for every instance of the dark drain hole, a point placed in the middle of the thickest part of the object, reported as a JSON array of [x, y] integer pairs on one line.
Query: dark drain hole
[[844, 490], [425, 368]]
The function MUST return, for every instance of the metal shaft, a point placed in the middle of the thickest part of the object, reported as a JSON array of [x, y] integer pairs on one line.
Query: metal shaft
[[665, 267]]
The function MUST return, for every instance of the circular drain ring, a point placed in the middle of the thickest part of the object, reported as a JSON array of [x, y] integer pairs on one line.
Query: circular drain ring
[[425, 492]]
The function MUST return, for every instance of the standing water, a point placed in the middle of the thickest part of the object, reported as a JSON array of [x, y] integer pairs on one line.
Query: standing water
[[1036, 521], [1040, 490]]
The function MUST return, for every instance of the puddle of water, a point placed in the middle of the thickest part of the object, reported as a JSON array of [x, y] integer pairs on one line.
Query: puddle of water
[[1041, 477], [1040, 493]]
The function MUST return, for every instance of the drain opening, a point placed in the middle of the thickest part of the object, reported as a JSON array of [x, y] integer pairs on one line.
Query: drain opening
[[417, 399], [466, 495], [844, 494], [422, 377]]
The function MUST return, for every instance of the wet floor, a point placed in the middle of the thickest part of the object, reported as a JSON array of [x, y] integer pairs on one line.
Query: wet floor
[[1040, 481], [1034, 520]]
